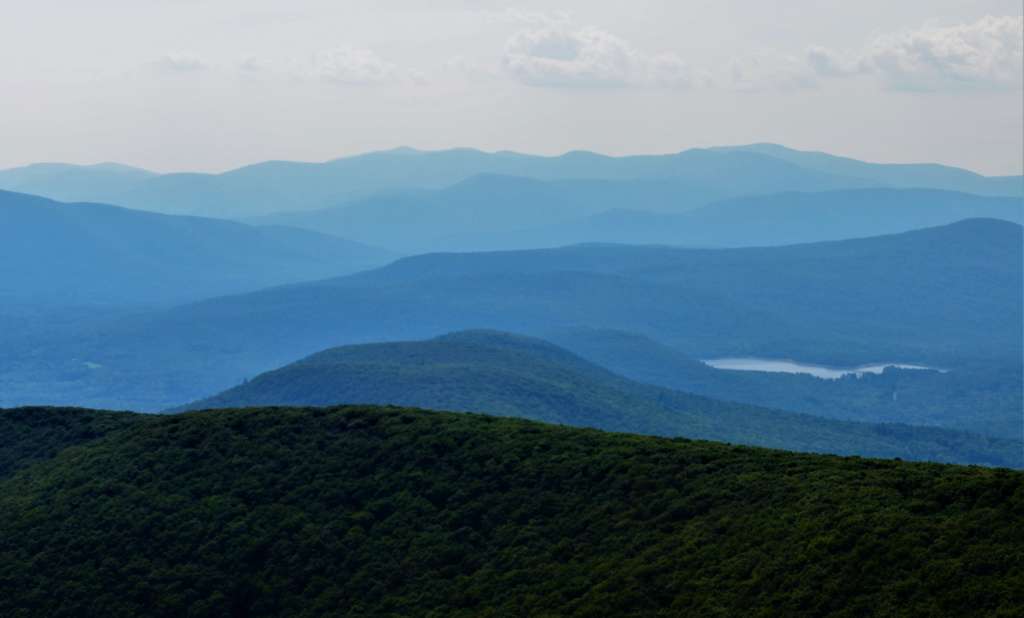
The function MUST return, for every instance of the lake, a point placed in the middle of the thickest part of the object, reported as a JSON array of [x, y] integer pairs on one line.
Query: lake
[[819, 371]]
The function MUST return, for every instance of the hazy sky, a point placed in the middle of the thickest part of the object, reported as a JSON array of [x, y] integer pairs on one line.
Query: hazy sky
[[213, 84]]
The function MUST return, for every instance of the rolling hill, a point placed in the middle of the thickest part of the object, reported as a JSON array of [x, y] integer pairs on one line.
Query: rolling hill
[[362, 511], [53, 252], [943, 297], [507, 375]]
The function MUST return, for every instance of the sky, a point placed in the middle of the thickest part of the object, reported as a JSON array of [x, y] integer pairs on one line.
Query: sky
[[209, 85]]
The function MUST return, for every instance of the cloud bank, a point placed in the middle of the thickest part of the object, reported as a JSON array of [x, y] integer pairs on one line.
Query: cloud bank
[[550, 53], [987, 53], [984, 54]]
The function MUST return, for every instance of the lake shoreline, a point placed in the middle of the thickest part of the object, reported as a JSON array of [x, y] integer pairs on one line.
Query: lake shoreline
[[824, 372]]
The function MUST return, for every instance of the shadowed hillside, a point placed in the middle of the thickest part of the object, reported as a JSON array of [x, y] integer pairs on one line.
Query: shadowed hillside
[[29, 435], [95, 253]]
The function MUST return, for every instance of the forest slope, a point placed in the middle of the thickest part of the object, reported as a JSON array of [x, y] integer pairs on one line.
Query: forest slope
[[380, 511]]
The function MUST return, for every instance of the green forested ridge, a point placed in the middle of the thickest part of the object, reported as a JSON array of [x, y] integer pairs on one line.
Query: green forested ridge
[[367, 511], [510, 375]]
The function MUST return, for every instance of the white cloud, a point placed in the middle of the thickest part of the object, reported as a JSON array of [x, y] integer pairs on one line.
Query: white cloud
[[985, 54], [828, 63], [181, 62], [560, 57]]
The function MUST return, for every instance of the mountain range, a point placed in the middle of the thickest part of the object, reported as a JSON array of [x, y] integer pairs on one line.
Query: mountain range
[[282, 186]]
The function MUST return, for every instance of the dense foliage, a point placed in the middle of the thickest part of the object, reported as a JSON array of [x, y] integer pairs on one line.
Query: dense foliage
[[28, 435], [387, 512], [508, 375]]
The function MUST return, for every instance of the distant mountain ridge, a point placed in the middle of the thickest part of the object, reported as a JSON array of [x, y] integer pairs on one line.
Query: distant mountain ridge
[[53, 252], [281, 186], [756, 221], [508, 375], [74, 183], [487, 213], [486, 205], [906, 175]]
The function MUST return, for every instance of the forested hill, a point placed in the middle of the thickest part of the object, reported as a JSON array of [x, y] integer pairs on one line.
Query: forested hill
[[510, 375], [365, 511]]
